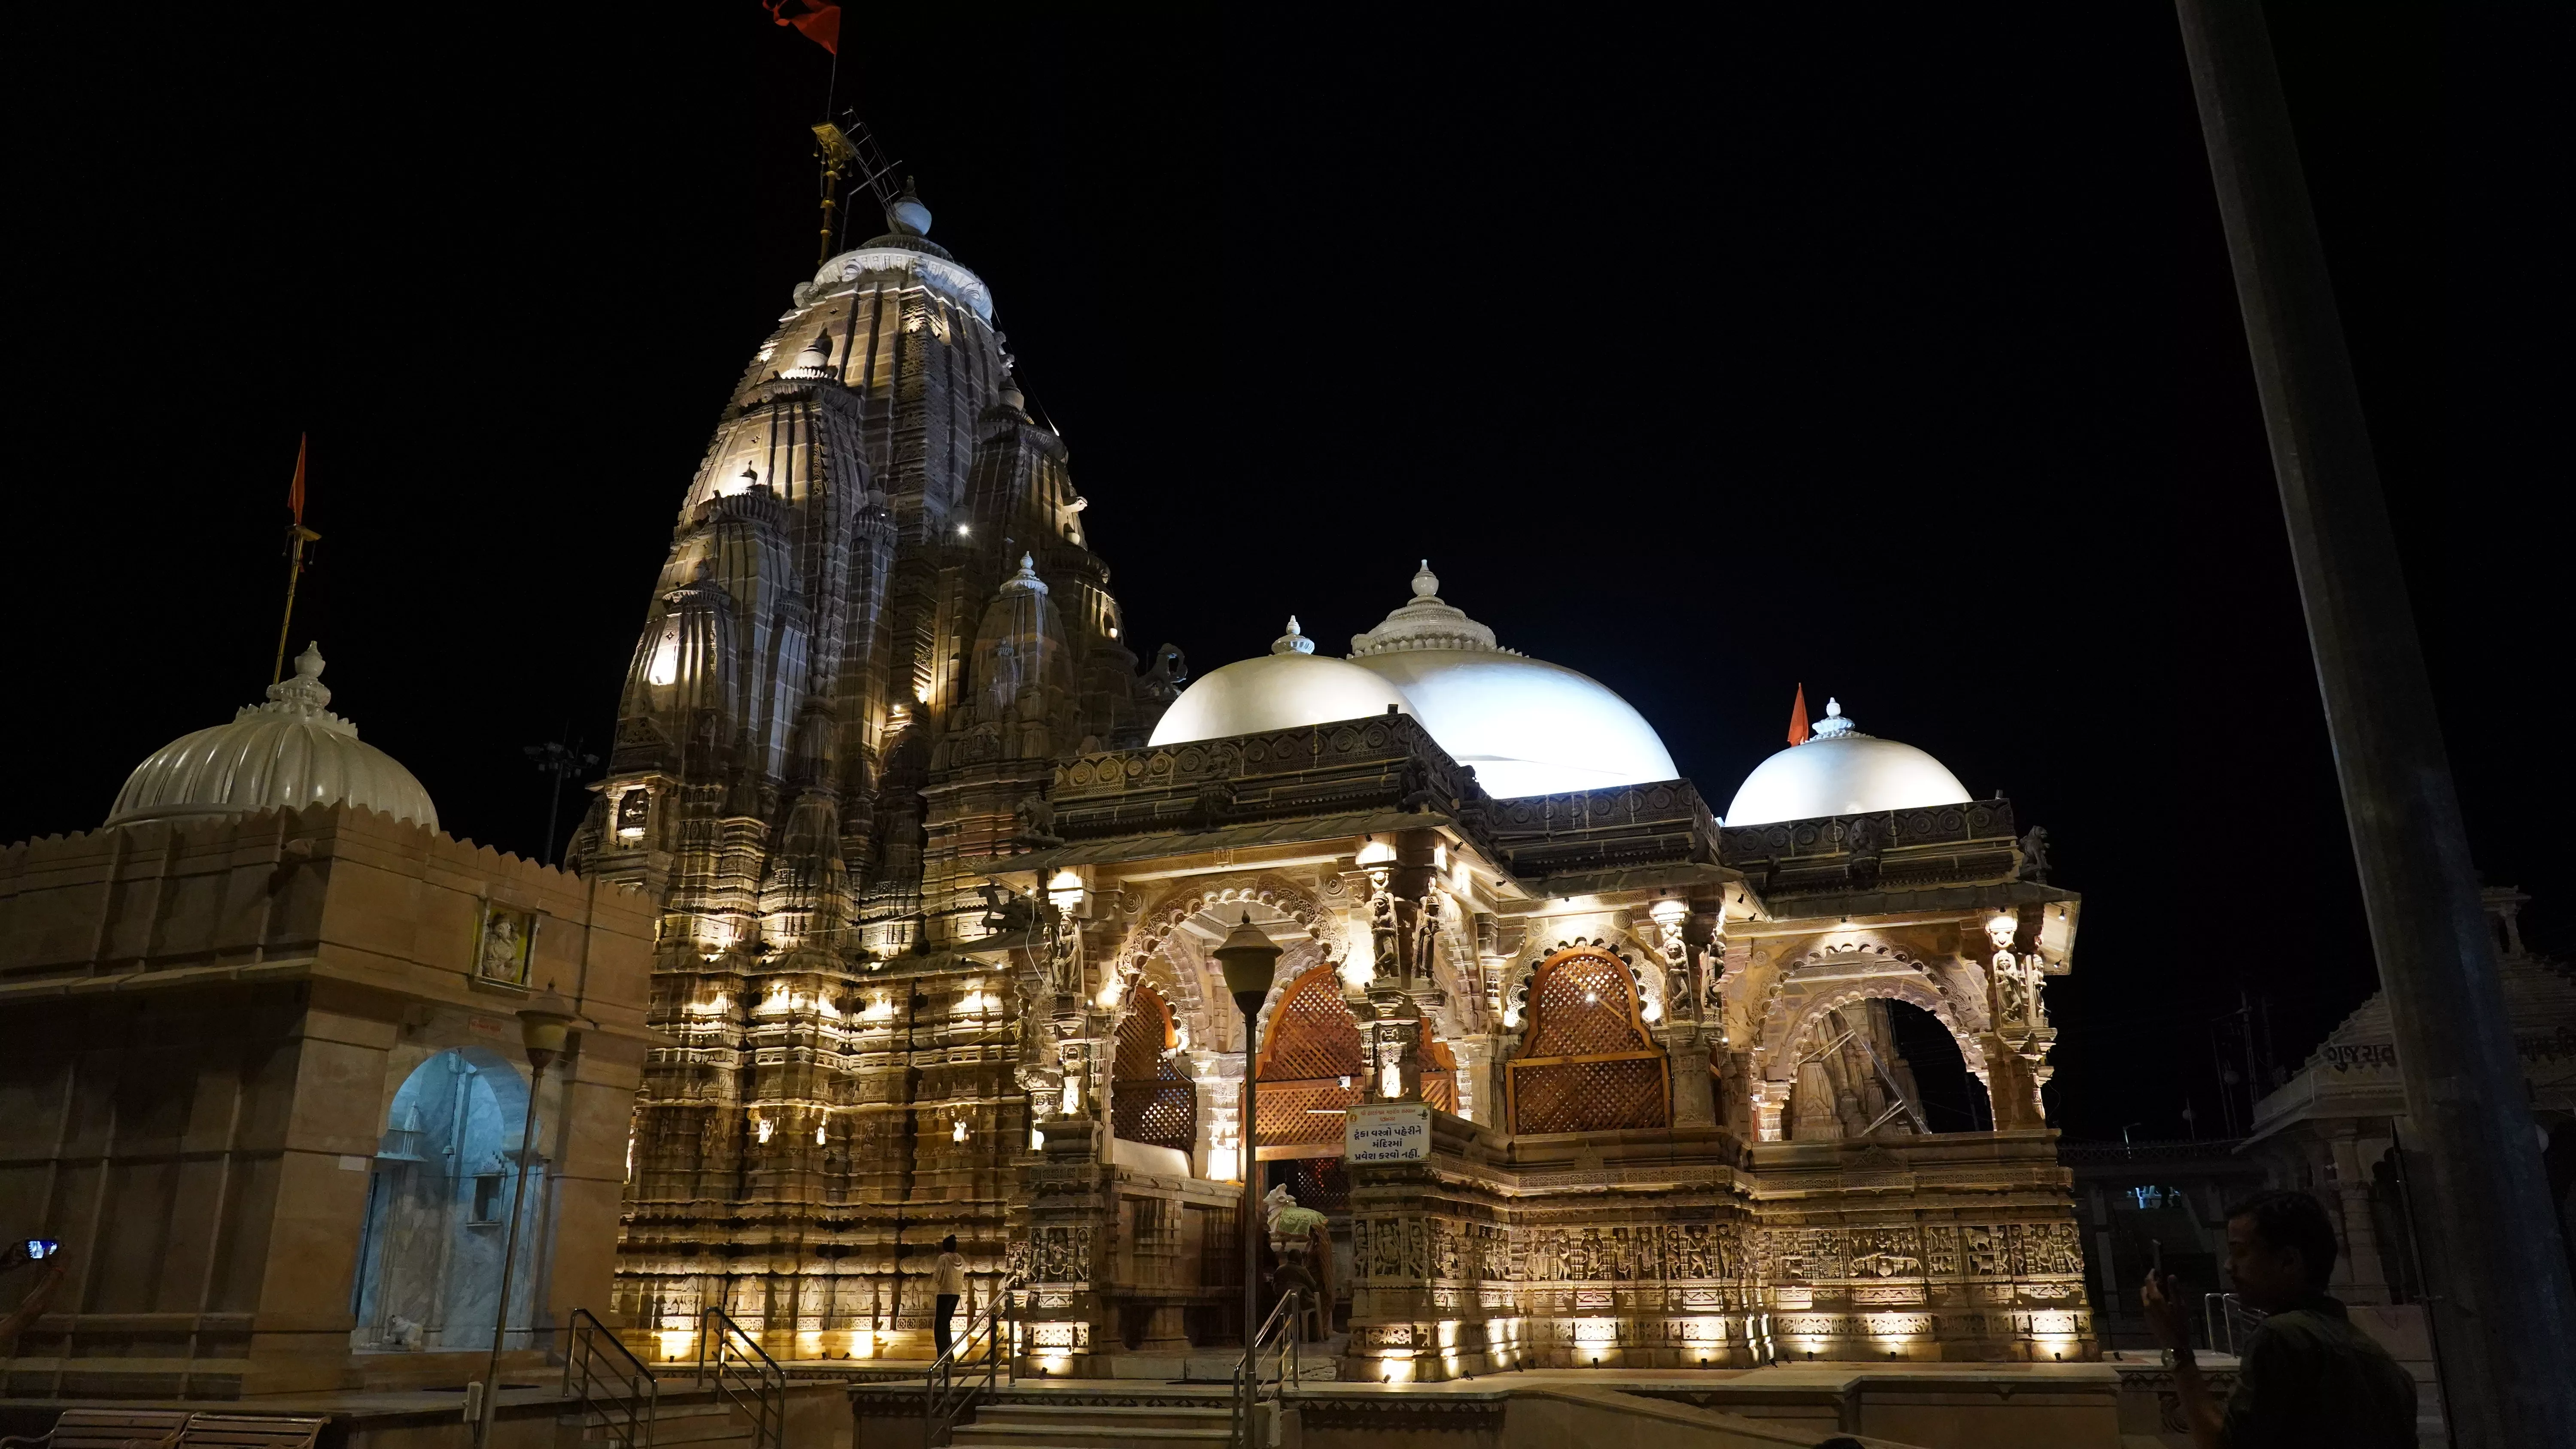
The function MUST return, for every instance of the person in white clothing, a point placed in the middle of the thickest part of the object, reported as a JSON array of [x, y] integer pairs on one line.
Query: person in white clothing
[[948, 1281]]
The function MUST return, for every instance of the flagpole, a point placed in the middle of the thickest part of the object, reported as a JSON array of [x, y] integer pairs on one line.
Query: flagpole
[[297, 536]]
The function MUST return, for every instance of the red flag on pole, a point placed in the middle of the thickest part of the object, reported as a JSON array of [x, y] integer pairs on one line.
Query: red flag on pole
[[295, 490], [1798, 730], [820, 24]]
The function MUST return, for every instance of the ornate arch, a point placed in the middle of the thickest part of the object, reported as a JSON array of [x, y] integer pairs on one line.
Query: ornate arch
[[1146, 937], [1314, 1064], [1951, 1010], [1912, 992], [1587, 1061], [1516, 985]]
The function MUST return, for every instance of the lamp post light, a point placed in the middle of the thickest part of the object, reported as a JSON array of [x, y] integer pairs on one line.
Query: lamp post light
[[1250, 959], [544, 1025]]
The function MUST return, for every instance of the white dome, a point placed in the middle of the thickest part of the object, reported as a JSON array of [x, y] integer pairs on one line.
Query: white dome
[[1288, 688], [1841, 771], [289, 752], [1528, 727]]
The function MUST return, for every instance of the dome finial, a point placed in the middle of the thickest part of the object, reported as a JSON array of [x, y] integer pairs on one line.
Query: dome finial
[[305, 692], [817, 354], [906, 215], [1833, 725], [1426, 584], [1294, 641]]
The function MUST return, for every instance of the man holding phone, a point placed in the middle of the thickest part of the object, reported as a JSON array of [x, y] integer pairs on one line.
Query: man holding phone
[[2307, 1377], [31, 1307]]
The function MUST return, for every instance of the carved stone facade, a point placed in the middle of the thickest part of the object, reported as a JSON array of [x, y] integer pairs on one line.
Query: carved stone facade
[[936, 921]]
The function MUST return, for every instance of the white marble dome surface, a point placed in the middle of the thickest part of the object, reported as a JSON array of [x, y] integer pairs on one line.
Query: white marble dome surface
[[289, 752], [1288, 688], [1527, 727], [1840, 771]]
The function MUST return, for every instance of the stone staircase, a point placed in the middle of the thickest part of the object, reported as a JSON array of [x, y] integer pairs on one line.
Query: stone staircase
[[675, 1426], [1023, 1425]]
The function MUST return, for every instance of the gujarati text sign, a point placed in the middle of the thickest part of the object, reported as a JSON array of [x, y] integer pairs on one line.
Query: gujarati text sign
[[1387, 1132]]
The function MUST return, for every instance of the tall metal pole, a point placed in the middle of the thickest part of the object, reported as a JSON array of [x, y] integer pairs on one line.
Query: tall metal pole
[[2505, 1309], [1250, 960], [543, 1029]]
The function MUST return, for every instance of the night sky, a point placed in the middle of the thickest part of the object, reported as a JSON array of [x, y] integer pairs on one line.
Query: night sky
[[1893, 354]]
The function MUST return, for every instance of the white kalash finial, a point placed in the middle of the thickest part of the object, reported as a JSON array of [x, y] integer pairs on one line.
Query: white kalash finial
[[1833, 725], [1294, 641], [1426, 584]]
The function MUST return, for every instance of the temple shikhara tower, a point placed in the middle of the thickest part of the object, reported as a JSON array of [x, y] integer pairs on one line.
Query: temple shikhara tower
[[939, 858]]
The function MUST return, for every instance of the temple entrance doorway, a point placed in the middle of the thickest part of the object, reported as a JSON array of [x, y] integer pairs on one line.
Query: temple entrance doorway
[[438, 1209], [1881, 1065]]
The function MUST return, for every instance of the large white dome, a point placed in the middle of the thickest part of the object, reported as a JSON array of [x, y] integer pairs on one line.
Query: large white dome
[[1288, 688], [1528, 727], [289, 752], [1840, 771]]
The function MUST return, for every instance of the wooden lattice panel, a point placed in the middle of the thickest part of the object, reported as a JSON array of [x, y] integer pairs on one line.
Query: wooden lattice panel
[[1298, 1113], [1311, 1033], [1598, 1094], [1314, 1066], [1588, 1063], [1320, 1183], [1584, 1003], [1150, 1100]]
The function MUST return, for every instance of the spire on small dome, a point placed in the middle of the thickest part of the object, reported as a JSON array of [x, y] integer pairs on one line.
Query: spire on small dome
[[1294, 641], [1425, 622], [817, 354], [1009, 393], [305, 691], [1027, 577], [1833, 726], [906, 215], [750, 478]]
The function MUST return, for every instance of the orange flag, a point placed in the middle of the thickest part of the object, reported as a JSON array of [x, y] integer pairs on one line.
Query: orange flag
[[820, 24], [295, 490], [1798, 730]]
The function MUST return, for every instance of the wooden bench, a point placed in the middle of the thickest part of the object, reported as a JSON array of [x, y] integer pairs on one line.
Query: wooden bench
[[107, 1429], [174, 1429]]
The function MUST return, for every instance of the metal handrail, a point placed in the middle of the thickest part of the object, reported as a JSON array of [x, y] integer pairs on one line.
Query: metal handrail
[[607, 1382], [2226, 1310], [758, 1386], [943, 1398], [1280, 1325]]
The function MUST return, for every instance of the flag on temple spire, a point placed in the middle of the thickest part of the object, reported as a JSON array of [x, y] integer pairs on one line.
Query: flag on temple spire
[[1798, 730], [820, 24], [295, 489]]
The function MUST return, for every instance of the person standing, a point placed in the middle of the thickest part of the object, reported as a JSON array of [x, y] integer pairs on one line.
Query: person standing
[[2308, 1377], [948, 1281]]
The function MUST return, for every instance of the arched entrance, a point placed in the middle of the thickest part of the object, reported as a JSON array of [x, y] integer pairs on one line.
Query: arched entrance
[[1314, 1069], [1880, 1064], [438, 1209], [1150, 1099], [1588, 1063]]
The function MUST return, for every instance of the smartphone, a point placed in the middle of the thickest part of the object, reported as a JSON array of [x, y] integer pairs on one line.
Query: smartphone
[[42, 1248]]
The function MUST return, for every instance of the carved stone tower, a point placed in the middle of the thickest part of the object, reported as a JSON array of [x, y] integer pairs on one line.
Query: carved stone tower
[[879, 626]]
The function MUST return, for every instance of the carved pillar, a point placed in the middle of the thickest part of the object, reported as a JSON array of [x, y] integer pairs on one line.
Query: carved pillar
[[2358, 1275], [1694, 1103]]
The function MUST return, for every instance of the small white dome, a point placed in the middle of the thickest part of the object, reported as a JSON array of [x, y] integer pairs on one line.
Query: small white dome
[[1288, 688], [1527, 726], [1840, 771], [289, 752]]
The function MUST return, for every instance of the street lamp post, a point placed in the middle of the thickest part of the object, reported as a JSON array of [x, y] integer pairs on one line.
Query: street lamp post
[[544, 1025], [1250, 959]]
